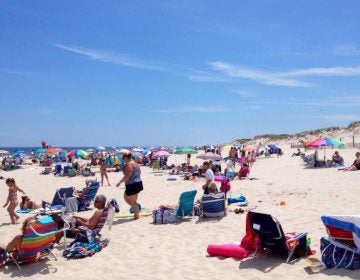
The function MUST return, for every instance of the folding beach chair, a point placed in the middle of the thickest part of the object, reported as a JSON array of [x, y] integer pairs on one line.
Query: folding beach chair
[[213, 205], [38, 237], [89, 194], [273, 239], [156, 165], [186, 204], [60, 196], [341, 248]]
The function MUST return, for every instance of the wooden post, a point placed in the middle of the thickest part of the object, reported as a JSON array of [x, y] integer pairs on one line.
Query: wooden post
[[353, 140]]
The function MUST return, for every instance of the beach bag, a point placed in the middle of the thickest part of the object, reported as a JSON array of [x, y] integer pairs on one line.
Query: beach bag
[[338, 255], [225, 186], [164, 216]]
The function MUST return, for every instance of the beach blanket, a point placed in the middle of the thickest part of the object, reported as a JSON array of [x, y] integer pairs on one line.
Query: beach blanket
[[81, 250]]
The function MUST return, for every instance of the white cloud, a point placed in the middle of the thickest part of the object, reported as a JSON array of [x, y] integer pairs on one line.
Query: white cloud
[[324, 71], [241, 93], [330, 102], [262, 77], [197, 109], [223, 71], [206, 77], [110, 57]]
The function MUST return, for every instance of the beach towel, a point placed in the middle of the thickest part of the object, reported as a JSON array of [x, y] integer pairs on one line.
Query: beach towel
[[81, 250], [23, 211]]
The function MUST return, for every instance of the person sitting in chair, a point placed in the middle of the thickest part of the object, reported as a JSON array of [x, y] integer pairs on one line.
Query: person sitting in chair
[[337, 159], [90, 223], [14, 245]]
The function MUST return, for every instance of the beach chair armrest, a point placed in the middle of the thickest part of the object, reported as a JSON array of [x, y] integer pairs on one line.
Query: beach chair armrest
[[296, 237]]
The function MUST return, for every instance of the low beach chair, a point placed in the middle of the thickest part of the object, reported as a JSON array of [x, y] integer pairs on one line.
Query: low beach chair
[[88, 195], [89, 235], [60, 196], [38, 237], [213, 205], [273, 239], [186, 204], [155, 165], [341, 248]]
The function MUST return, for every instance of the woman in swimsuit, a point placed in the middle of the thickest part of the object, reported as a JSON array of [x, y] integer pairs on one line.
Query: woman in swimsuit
[[133, 183], [356, 165], [12, 200], [103, 172]]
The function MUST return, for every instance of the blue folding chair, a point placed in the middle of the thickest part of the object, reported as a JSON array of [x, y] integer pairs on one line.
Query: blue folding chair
[[60, 196], [89, 195], [186, 204]]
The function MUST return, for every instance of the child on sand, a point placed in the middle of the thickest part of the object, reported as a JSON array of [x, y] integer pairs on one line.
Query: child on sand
[[12, 199]]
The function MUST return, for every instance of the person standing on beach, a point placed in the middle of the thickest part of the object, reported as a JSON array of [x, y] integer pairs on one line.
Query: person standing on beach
[[12, 199], [103, 172], [133, 183], [209, 176]]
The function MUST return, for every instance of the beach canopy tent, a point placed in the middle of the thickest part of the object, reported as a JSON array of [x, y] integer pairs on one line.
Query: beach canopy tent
[[100, 148], [137, 155], [209, 156], [137, 149], [77, 153], [274, 148], [90, 150], [325, 142]]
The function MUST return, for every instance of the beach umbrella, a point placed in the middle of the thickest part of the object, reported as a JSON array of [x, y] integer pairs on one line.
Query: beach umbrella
[[185, 151], [3, 152], [18, 155], [137, 154], [90, 150], [153, 149], [325, 142], [137, 149], [123, 151], [161, 154], [209, 156], [77, 153], [249, 148], [19, 151], [52, 150], [100, 148], [40, 151]]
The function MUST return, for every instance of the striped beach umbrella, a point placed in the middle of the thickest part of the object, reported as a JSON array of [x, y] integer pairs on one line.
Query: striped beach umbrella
[[77, 153]]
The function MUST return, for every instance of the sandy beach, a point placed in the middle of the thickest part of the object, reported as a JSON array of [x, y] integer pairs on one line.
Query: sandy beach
[[139, 249]]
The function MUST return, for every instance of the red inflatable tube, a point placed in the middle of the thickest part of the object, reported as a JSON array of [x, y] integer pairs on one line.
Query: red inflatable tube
[[233, 250]]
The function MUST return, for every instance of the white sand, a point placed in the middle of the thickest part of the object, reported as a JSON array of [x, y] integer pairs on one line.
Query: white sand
[[140, 250]]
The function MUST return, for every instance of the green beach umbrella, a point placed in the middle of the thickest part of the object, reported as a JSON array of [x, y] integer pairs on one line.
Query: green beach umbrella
[[185, 151]]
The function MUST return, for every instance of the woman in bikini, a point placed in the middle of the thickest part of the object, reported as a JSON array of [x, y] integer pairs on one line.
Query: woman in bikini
[[12, 199], [103, 172]]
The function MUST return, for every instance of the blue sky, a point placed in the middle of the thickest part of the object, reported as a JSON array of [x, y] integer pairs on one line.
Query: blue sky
[[118, 73]]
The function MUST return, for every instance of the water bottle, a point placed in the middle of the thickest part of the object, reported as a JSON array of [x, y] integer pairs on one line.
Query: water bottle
[[308, 242]]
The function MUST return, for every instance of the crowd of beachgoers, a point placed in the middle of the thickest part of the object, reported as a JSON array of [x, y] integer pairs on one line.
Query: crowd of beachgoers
[[221, 166]]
